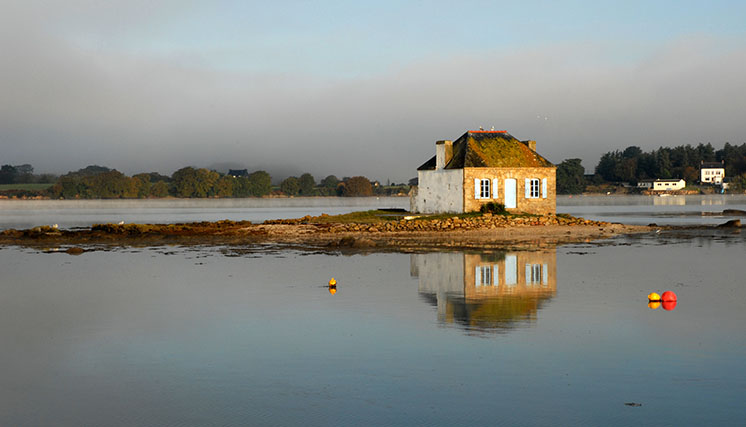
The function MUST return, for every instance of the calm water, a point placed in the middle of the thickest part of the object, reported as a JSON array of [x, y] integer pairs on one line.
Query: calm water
[[682, 210], [251, 336], [82, 213], [643, 210]]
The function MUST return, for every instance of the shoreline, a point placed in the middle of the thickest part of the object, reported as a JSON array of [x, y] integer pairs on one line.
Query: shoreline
[[325, 233]]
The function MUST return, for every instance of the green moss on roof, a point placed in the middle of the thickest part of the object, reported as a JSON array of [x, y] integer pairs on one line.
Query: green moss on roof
[[493, 150]]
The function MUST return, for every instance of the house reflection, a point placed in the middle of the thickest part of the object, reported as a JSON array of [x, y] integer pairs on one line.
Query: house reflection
[[489, 292]]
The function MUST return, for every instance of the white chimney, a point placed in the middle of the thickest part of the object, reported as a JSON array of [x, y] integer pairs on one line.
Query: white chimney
[[443, 153]]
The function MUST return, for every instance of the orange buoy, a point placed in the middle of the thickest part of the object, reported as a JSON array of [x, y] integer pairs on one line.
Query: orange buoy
[[668, 296], [332, 283], [653, 297]]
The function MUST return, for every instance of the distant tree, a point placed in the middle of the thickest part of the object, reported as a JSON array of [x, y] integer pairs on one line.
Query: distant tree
[[307, 183], [357, 186], [570, 177], [259, 184], [159, 189], [206, 180], [143, 185], [8, 174], [224, 186], [155, 177], [607, 166], [290, 186], [330, 181], [631, 152], [241, 188], [68, 186], [184, 182], [92, 170], [626, 169], [663, 163], [108, 185]]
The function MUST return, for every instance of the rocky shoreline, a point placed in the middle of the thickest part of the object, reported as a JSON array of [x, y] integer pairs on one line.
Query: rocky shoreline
[[324, 232]]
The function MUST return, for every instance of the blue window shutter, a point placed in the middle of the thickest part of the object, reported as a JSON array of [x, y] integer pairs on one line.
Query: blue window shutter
[[528, 188], [476, 188], [543, 188], [494, 188]]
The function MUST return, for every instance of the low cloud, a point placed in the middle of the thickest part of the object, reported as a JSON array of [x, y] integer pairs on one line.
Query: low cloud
[[66, 105]]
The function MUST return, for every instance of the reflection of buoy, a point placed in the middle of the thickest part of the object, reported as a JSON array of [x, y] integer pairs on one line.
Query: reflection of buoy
[[668, 296], [332, 286], [669, 305], [653, 297], [654, 304]]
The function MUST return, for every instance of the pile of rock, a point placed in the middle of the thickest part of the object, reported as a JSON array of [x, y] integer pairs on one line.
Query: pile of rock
[[456, 223]]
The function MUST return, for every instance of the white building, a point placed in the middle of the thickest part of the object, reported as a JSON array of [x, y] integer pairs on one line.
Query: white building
[[668, 184], [711, 172]]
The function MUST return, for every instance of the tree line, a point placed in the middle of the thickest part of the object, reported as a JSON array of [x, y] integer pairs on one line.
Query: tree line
[[632, 165], [99, 182]]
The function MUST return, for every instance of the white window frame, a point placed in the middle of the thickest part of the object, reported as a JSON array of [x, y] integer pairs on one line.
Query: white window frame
[[533, 188], [483, 276], [485, 190]]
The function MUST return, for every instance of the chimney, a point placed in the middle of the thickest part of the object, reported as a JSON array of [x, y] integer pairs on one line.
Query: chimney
[[530, 144], [443, 153]]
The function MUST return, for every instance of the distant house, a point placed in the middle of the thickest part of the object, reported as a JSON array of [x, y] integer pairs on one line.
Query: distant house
[[668, 184], [645, 183], [235, 173], [481, 167], [711, 172]]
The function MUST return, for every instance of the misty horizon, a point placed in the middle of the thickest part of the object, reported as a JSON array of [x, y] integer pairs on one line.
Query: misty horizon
[[349, 90]]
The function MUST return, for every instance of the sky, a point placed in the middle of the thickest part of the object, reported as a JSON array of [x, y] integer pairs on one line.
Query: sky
[[359, 88]]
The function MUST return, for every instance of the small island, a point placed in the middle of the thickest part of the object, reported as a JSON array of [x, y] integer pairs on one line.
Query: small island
[[380, 230]]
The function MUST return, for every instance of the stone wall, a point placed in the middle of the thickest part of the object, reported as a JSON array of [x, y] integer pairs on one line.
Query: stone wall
[[539, 206]]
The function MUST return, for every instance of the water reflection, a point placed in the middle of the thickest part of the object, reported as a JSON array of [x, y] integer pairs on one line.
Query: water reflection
[[669, 200], [493, 292]]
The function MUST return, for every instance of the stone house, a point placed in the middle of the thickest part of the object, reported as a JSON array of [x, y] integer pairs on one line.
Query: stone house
[[481, 167]]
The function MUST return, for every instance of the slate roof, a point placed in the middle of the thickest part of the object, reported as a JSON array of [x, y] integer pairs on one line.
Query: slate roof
[[490, 149], [711, 165]]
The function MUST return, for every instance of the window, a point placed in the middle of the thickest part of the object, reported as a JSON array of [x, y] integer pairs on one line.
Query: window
[[537, 274], [483, 276], [484, 189], [532, 189]]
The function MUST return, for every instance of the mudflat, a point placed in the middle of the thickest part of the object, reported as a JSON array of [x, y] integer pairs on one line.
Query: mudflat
[[358, 231]]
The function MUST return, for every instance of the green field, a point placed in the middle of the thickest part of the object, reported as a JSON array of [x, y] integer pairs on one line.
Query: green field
[[25, 187]]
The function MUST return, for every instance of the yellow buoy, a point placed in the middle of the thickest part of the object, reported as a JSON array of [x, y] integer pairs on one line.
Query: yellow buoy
[[332, 282], [654, 297]]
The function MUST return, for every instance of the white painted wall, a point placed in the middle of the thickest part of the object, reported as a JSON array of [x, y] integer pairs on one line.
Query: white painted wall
[[439, 274], [440, 191]]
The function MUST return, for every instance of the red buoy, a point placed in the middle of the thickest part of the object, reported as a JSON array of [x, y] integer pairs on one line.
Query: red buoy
[[668, 296]]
